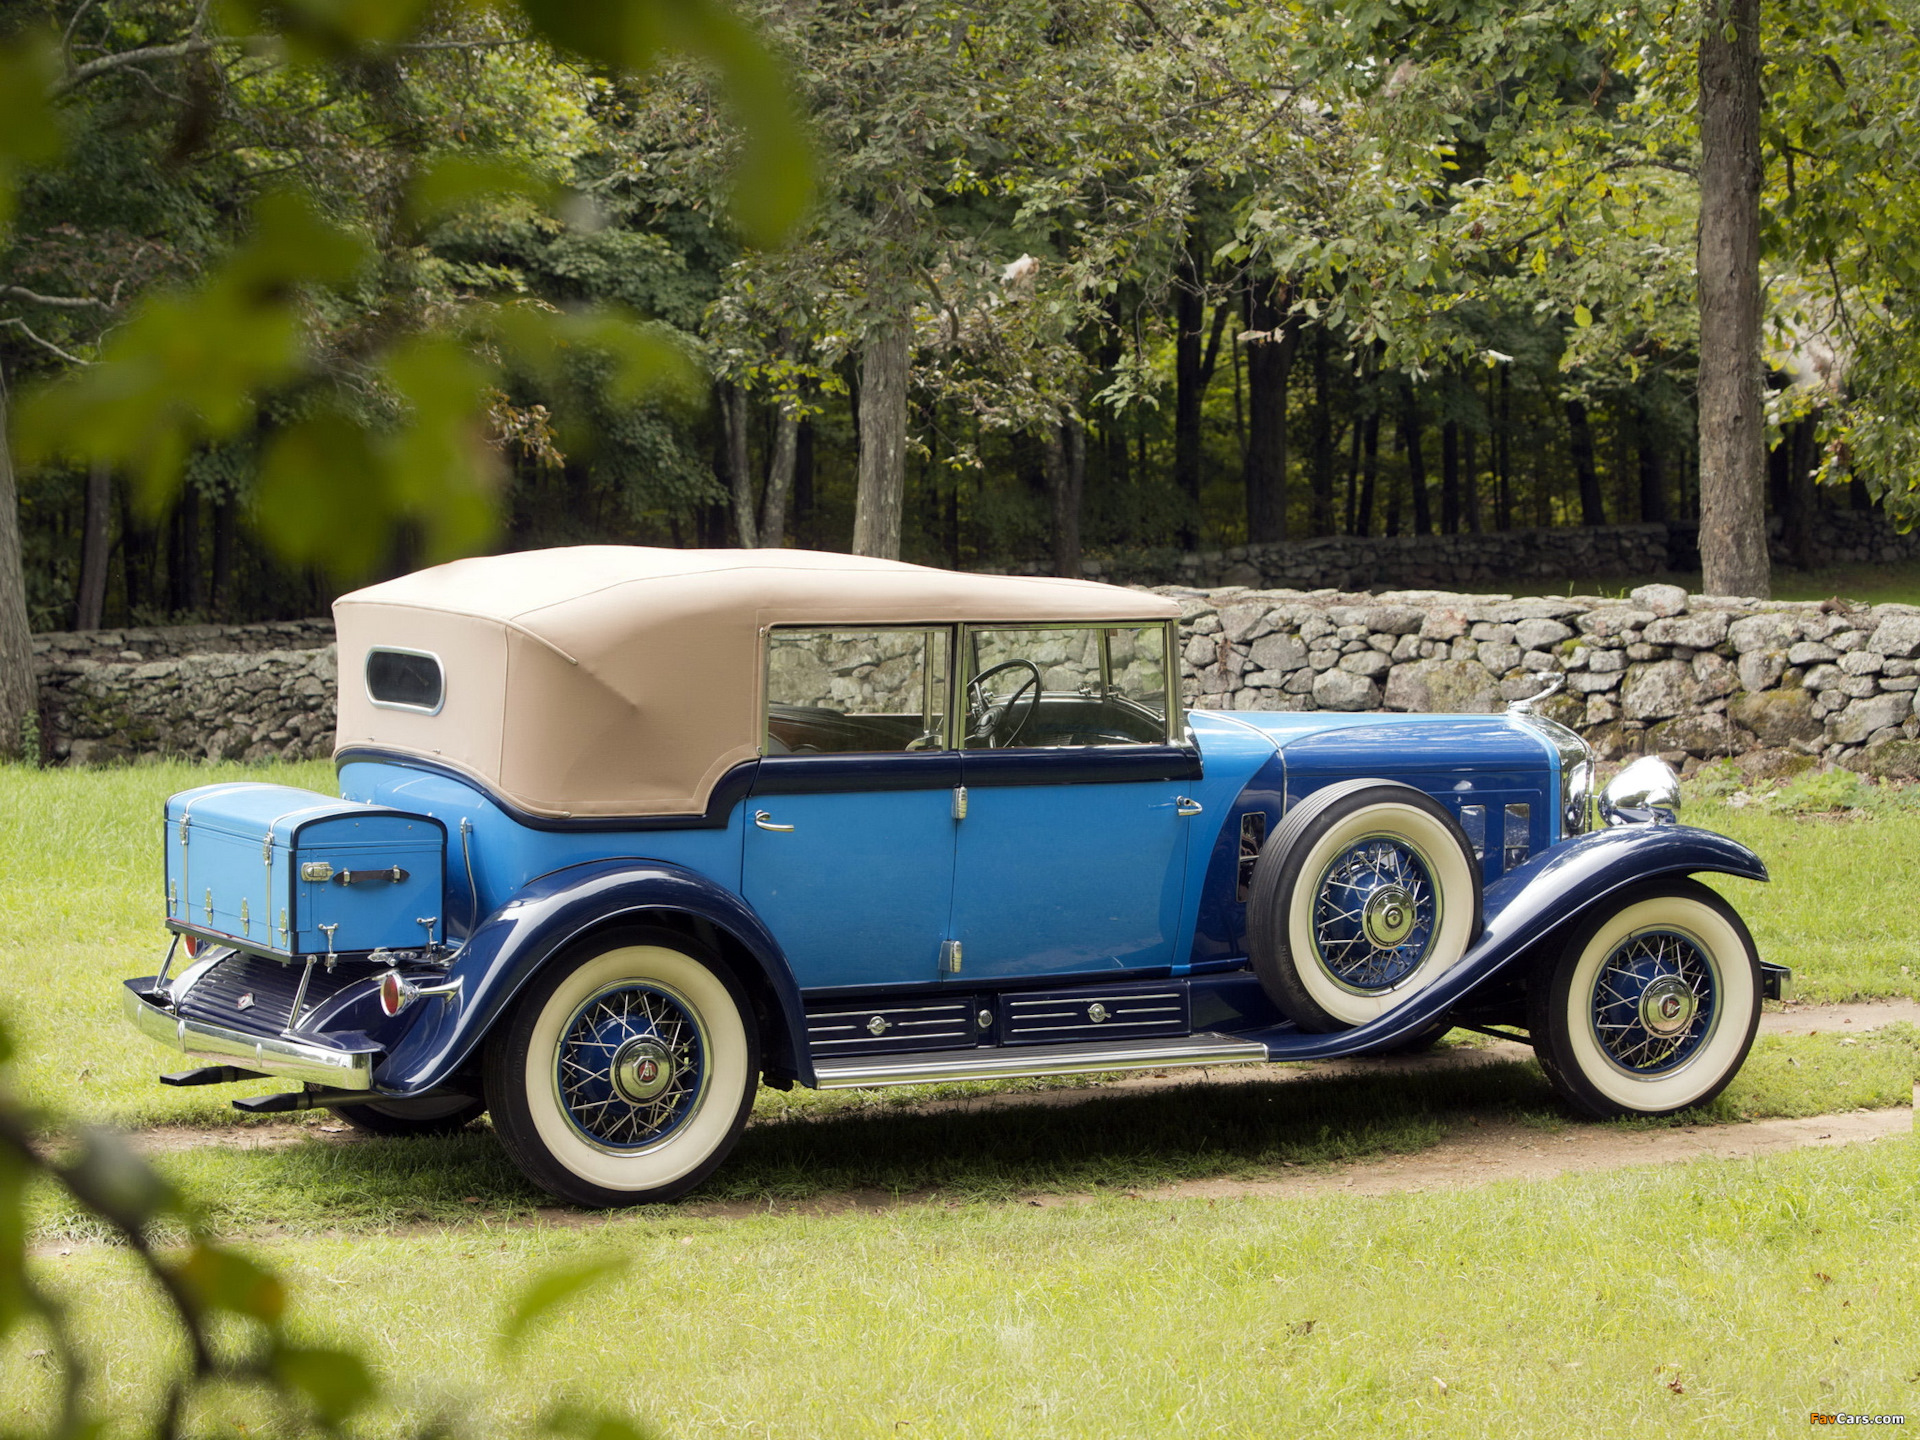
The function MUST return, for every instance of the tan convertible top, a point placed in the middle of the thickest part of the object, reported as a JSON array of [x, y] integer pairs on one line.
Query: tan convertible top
[[618, 680]]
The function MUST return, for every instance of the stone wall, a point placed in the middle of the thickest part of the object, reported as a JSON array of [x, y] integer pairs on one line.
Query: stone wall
[[238, 692], [1691, 677]]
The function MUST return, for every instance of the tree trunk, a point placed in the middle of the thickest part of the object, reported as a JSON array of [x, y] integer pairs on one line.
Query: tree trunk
[[733, 450], [1416, 457], [1268, 362], [183, 559], [1470, 464], [1593, 510], [1733, 525], [221, 597], [1189, 314], [1502, 462], [882, 484], [19, 694], [1369, 468], [803, 475], [96, 539], [786, 446], [1450, 478], [1066, 456], [1653, 467], [1322, 437], [1353, 475]]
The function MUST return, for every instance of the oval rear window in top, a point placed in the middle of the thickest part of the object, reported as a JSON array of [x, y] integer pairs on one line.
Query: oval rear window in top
[[405, 679]]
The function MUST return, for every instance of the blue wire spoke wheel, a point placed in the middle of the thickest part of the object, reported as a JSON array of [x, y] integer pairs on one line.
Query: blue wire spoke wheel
[[1375, 915], [626, 1070], [1655, 1000], [632, 1067], [1651, 1003]]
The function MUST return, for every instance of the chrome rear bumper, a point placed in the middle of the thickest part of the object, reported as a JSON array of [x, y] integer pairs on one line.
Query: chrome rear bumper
[[311, 1058]]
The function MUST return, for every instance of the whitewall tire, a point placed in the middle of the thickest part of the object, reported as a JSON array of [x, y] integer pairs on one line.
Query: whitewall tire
[[626, 1070], [1651, 1005], [1364, 896]]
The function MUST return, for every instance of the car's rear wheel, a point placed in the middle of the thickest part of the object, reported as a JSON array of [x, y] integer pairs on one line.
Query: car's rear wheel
[[1366, 894], [1651, 1005], [399, 1118], [625, 1073]]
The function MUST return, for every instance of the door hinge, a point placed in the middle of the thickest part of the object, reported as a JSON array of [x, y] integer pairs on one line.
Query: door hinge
[[959, 802], [949, 957]]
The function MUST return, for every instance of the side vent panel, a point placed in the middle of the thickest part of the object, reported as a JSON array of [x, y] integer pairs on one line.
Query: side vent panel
[[887, 1028], [1107, 1013]]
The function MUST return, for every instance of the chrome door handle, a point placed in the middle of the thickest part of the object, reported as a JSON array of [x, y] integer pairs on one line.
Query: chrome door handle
[[765, 822], [1183, 806]]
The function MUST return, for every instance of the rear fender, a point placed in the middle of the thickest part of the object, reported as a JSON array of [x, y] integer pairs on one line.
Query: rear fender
[[1526, 906], [543, 918]]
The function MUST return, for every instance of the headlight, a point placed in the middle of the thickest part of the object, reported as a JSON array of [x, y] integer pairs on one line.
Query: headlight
[[1576, 771]]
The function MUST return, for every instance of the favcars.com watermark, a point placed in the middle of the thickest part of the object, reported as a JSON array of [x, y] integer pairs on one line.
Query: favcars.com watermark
[[1840, 1417]]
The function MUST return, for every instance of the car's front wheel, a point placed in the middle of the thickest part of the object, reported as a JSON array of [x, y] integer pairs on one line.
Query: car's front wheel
[[1365, 895], [625, 1072], [1651, 1005]]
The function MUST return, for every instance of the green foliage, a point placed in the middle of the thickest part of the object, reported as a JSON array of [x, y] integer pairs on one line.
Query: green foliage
[[228, 1313], [380, 402]]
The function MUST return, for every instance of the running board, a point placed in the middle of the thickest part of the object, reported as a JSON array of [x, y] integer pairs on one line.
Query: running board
[[1016, 1061]]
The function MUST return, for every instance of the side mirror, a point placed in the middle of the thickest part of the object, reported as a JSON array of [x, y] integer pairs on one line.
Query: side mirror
[[1645, 792]]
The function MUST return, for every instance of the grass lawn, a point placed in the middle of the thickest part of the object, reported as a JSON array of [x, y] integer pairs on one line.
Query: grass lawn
[[81, 909], [1096, 1142], [1712, 1298]]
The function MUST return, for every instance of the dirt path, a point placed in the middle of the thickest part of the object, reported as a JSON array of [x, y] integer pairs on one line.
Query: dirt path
[[1796, 1019], [1804, 1019]]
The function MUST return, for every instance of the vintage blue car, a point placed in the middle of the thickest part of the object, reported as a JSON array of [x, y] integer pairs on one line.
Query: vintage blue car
[[628, 832]]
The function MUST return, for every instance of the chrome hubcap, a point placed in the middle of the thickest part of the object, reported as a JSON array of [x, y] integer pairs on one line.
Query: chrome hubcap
[[1667, 1006], [642, 1070], [1388, 916]]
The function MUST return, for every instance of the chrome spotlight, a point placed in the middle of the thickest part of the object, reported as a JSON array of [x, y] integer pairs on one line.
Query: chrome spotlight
[[1645, 792]]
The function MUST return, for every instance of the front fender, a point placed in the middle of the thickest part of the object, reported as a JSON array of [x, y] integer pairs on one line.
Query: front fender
[[511, 944], [1524, 906]]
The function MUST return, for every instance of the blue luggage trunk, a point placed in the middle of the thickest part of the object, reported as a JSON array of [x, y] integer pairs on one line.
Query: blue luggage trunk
[[289, 872]]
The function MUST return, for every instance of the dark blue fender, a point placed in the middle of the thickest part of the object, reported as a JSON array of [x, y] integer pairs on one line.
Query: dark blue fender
[[513, 942], [1522, 907]]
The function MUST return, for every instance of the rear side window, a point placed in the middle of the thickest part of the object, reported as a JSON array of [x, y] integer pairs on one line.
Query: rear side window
[[406, 680]]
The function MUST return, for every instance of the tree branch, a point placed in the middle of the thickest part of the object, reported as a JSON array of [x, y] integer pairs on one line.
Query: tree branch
[[202, 44], [27, 330], [58, 302], [108, 64]]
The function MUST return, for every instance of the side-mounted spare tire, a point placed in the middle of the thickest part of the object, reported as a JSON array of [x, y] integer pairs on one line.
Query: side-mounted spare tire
[[1364, 895]]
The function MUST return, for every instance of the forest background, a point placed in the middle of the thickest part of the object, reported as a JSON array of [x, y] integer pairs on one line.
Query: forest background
[[1069, 274]]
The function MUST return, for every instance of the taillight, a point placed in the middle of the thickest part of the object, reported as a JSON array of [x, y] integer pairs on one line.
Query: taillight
[[193, 947], [393, 994]]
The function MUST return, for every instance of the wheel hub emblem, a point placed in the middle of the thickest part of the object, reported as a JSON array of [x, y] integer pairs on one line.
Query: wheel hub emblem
[[642, 1069], [1667, 1006], [1389, 916]]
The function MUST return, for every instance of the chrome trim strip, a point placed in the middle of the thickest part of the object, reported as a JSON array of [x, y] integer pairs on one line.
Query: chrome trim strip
[[347, 1069], [927, 1067]]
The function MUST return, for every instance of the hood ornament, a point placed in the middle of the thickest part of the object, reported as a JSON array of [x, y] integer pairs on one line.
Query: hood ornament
[[1555, 684]]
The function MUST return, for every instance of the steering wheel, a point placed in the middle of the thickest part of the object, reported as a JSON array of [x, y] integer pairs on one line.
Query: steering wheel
[[990, 716]]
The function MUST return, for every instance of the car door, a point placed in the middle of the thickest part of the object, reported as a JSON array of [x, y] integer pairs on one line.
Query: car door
[[848, 857], [1071, 857]]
